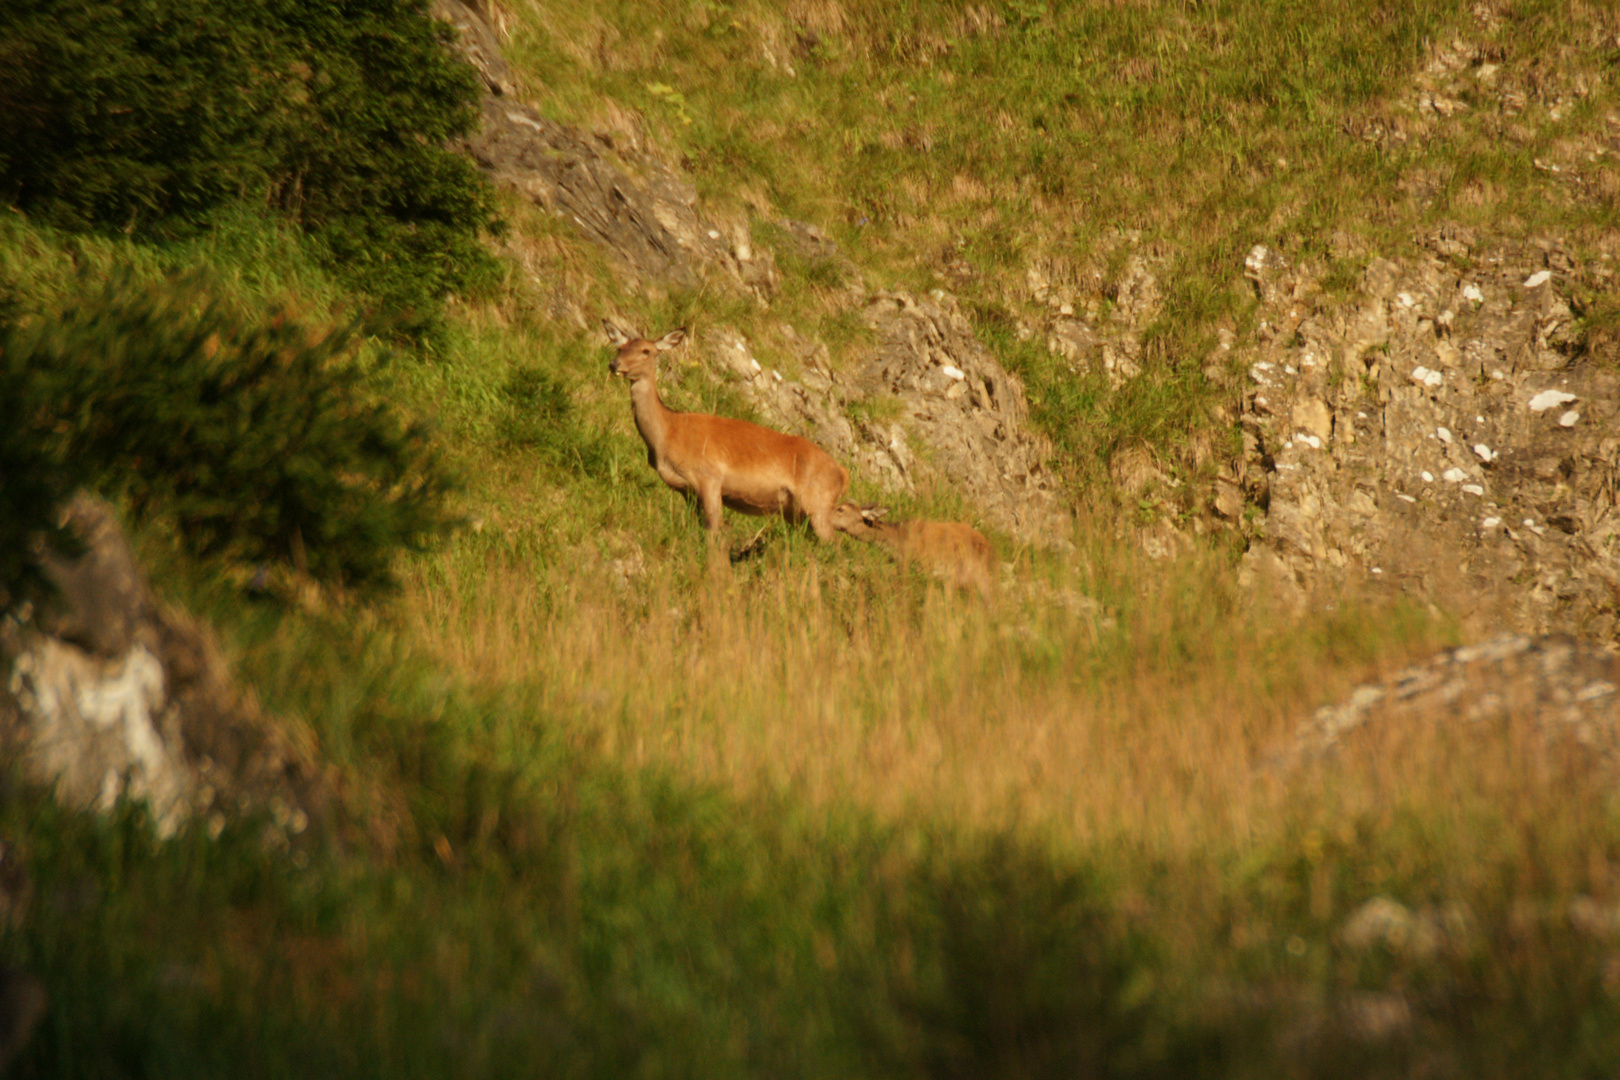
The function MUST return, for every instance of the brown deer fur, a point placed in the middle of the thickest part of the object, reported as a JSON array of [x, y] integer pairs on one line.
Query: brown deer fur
[[950, 550], [722, 461]]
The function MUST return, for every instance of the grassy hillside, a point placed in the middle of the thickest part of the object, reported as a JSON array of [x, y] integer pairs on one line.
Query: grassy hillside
[[608, 814], [1022, 154]]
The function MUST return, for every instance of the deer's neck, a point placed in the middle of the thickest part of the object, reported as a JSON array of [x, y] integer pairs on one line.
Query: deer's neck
[[652, 416]]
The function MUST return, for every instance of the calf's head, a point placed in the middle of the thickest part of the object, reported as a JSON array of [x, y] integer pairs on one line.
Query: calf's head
[[855, 519]]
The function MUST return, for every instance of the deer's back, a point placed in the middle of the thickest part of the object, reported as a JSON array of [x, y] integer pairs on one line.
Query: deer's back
[[754, 462]]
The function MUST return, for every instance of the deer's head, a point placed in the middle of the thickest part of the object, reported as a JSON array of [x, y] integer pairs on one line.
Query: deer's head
[[637, 358]]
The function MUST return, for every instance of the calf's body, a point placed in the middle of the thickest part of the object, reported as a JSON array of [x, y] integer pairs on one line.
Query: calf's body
[[950, 550]]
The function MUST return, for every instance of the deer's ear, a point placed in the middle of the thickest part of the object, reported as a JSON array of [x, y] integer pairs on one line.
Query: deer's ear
[[671, 339], [618, 337], [873, 514]]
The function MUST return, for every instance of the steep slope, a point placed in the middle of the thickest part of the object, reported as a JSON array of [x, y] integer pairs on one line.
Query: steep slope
[[1350, 471], [947, 391]]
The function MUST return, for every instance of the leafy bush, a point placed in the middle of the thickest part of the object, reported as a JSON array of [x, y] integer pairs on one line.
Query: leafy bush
[[1027, 970], [263, 441], [539, 414], [32, 479], [147, 115]]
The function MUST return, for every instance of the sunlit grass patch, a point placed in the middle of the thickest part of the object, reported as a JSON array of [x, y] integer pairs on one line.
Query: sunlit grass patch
[[1097, 698], [940, 138]]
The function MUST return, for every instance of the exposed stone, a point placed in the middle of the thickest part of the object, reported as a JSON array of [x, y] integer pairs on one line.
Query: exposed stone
[[479, 42], [1376, 1016], [1569, 688], [110, 695], [643, 212], [975, 423], [1438, 397], [1594, 918], [94, 729], [948, 392], [1382, 921]]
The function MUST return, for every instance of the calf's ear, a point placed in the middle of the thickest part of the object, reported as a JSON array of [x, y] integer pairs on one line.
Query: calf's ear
[[671, 339], [618, 337], [873, 514]]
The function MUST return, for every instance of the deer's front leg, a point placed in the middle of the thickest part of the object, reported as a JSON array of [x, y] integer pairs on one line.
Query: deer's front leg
[[713, 507]]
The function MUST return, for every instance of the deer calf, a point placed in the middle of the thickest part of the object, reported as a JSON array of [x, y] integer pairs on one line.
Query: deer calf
[[722, 461], [949, 550]]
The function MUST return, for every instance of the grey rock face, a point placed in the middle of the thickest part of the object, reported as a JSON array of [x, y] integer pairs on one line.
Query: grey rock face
[[962, 421], [968, 409], [110, 695], [1571, 689], [1436, 434], [948, 392], [1441, 432], [1384, 922], [1093, 316], [94, 728], [650, 224], [640, 209], [479, 42]]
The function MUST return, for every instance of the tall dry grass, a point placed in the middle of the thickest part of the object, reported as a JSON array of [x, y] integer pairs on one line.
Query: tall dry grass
[[1100, 699]]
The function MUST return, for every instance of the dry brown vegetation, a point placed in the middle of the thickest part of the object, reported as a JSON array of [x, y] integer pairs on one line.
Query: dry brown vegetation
[[1154, 721]]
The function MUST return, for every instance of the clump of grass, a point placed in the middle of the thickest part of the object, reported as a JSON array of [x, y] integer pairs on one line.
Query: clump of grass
[[541, 416]]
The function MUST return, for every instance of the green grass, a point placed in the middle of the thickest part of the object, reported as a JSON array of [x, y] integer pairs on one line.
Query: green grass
[[1010, 135]]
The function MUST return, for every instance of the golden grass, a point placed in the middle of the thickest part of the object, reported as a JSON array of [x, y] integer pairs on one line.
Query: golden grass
[[827, 675]]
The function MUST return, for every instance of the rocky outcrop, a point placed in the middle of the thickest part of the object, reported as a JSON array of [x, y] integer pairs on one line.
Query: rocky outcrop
[[628, 200], [940, 387], [638, 209], [1439, 435], [480, 42], [1446, 430], [1569, 688], [1094, 317], [927, 405], [964, 406], [110, 695]]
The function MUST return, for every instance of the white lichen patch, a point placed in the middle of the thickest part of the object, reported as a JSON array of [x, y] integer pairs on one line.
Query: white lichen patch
[[1550, 399]]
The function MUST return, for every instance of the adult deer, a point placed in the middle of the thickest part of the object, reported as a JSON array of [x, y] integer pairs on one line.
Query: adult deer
[[722, 461], [950, 550]]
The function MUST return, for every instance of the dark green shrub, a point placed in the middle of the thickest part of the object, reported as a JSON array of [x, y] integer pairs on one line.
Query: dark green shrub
[[33, 480], [147, 115], [539, 414], [260, 441], [1028, 971]]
